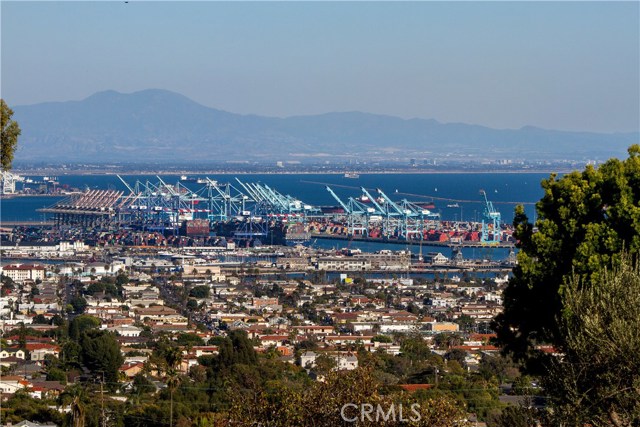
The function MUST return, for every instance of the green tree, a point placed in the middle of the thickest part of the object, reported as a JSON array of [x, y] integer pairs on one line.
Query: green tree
[[457, 355], [142, 385], [238, 350], [415, 348], [9, 136], [466, 322], [201, 291], [78, 399], [597, 380], [20, 406], [57, 374], [324, 364], [101, 354], [40, 319], [584, 221], [79, 304], [80, 324], [173, 356], [186, 339]]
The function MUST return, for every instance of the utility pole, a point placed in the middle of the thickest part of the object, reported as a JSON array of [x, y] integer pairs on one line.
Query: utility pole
[[104, 418]]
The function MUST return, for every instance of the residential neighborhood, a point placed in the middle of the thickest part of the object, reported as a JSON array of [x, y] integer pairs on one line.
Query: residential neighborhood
[[318, 323]]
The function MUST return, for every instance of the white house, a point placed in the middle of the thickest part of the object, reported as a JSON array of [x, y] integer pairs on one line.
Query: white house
[[11, 352], [344, 361], [22, 272], [126, 330], [12, 384]]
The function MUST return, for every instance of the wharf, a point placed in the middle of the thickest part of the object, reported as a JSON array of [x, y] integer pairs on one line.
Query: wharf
[[26, 223], [465, 244]]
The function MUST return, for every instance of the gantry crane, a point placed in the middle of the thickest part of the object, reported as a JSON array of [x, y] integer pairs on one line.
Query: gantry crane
[[491, 228]]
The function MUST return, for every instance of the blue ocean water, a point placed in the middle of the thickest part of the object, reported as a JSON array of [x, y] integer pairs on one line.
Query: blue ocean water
[[504, 190]]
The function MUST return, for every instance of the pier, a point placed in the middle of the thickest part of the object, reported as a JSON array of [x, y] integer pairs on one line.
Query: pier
[[463, 244]]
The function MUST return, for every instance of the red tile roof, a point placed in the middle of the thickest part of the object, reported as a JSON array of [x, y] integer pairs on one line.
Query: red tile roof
[[415, 387]]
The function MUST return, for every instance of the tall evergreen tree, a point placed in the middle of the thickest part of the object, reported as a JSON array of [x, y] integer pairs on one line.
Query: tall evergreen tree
[[8, 137], [584, 221]]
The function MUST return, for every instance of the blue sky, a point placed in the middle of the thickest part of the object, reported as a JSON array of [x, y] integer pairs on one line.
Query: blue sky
[[572, 65]]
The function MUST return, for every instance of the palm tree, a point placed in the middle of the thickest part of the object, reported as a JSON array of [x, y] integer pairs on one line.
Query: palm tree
[[75, 397], [173, 356], [173, 380]]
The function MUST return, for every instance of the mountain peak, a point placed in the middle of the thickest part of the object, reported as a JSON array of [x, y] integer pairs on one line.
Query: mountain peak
[[147, 94]]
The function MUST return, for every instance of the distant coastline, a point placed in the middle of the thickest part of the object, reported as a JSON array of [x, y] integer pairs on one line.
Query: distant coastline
[[37, 172]]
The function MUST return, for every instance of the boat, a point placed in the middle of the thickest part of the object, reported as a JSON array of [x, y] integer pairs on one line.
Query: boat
[[185, 178], [203, 181], [425, 205], [351, 175], [453, 205]]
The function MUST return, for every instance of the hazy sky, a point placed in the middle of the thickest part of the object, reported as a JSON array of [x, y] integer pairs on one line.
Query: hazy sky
[[571, 65]]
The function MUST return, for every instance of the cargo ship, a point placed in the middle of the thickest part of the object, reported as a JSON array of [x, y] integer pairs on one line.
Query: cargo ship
[[332, 209], [352, 175]]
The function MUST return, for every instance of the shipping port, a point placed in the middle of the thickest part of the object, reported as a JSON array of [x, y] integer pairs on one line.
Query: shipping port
[[253, 213]]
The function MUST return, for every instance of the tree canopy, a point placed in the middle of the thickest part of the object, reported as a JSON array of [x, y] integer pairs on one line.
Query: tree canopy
[[584, 220], [597, 381], [9, 136], [101, 354]]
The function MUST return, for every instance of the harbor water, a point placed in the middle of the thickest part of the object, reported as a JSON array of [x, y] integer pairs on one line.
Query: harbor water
[[456, 196]]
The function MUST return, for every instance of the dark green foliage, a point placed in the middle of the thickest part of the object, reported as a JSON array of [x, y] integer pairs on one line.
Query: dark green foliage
[[57, 320], [237, 349], [185, 339], [201, 291], [122, 279], [39, 319], [192, 304], [70, 355], [56, 374], [79, 304], [101, 354], [21, 407], [523, 386], [597, 380], [466, 323], [306, 345], [142, 385], [499, 367], [10, 130], [457, 355], [80, 324], [7, 285], [415, 348], [447, 340], [382, 338], [584, 221], [103, 286]]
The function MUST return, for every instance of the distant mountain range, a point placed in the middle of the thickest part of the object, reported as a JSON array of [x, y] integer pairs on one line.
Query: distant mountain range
[[161, 126]]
